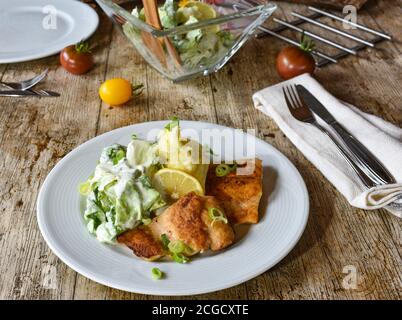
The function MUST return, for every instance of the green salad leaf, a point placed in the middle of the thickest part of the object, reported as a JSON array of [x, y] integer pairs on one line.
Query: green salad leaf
[[167, 14]]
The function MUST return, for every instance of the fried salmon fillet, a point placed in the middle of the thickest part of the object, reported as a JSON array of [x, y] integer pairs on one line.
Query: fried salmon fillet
[[186, 220], [239, 194]]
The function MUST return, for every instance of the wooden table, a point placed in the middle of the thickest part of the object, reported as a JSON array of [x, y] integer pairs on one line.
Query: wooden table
[[36, 133]]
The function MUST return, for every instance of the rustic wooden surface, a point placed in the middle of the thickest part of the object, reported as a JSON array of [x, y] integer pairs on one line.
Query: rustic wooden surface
[[36, 133]]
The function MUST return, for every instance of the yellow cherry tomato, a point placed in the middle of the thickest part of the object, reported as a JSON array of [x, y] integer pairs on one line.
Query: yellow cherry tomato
[[116, 91]]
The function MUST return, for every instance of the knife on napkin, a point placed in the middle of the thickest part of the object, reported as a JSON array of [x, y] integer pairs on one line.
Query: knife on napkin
[[377, 171]]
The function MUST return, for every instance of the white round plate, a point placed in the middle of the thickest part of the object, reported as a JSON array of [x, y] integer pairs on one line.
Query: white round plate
[[36, 29], [283, 216]]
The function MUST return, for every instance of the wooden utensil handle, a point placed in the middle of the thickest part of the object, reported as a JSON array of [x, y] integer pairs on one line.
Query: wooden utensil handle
[[152, 17]]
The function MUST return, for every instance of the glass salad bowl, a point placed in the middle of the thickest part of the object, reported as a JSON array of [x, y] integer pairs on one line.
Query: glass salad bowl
[[185, 38]]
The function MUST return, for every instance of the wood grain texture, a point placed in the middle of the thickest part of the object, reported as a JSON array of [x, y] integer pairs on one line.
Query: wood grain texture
[[36, 133]]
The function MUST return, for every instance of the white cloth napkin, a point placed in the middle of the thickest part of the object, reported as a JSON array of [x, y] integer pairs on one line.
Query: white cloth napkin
[[383, 139]]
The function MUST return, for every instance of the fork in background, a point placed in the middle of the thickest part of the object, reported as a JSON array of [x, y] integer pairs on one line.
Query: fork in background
[[301, 112], [26, 84], [43, 93]]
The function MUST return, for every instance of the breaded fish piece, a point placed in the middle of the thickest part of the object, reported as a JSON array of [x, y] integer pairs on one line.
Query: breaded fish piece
[[239, 194], [186, 220], [143, 244]]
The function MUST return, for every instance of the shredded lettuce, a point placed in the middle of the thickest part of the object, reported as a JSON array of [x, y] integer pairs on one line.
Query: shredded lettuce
[[205, 48], [167, 14]]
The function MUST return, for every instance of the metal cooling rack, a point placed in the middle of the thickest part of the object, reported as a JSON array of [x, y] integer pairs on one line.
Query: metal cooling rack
[[314, 20]]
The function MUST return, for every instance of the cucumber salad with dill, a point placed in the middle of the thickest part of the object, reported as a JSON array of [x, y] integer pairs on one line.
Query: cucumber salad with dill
[[195, 47], [121, 194]]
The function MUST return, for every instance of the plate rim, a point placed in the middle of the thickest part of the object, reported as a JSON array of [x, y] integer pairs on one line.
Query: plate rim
[[44, 54], [154, 291]]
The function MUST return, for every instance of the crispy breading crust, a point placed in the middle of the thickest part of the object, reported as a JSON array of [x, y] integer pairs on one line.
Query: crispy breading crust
[[182, 221], [239, 194], [186, 220], [143, 244], [221, 235]]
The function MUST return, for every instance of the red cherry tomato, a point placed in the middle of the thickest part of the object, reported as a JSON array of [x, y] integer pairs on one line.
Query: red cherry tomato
[[293, 61], [77, 59]]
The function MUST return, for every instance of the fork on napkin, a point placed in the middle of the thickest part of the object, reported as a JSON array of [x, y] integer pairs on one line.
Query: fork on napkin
[[383, 139]]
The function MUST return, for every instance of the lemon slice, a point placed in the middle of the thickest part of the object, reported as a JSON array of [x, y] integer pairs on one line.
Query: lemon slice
[[175, 183], [201, 11]]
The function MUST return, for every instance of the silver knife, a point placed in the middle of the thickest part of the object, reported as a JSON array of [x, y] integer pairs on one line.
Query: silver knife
[[26, 93], [364, 157]]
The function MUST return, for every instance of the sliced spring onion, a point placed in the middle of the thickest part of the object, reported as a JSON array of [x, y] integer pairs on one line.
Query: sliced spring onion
[[179, 247], [180, 258], [176, 249], [222, 170], [156, 273], [85, 188], [216, 215], [165, 241]]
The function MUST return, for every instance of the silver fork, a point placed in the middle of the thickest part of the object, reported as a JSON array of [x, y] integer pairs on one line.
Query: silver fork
[[39, 92], [302, 113], [26, 84]]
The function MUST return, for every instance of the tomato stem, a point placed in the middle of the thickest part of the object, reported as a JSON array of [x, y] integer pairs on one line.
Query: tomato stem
[[82, 47], [137, 89], [306, 44]]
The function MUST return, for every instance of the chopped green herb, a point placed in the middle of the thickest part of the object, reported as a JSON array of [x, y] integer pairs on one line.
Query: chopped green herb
[[134, 136], [116, 153], [97, 200], [156, 273], [174, 122]]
